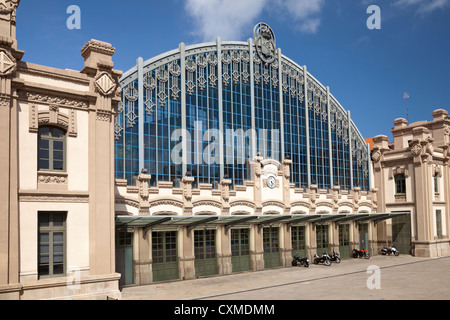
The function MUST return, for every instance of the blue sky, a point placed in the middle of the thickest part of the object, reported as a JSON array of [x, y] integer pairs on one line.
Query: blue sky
[[368, 71]]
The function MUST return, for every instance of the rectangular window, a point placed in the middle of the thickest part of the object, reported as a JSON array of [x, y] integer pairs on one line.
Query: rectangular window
[[439, 224], [51, 244], [436, 184], [400, 184], [124, 238], [51, 149]]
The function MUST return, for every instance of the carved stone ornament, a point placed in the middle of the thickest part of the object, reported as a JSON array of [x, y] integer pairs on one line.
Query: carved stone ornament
[[416, 149], [265, 43], [8, 6], [7, 63], [105, 84], [376, 156]]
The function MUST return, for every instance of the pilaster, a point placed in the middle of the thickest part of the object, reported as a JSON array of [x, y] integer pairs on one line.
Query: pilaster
[[9, 216], [98, 66]]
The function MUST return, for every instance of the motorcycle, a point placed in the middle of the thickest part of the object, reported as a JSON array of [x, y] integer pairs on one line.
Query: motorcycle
[[334, 257], [322, 259], [300, 261], [360, 253], [391, 250]]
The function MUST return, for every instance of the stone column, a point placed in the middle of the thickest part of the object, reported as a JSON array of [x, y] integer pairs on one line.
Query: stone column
[[186, 255], [256, 177], [422, 149], [256, 249], [142, 258], [286, 169], [285, 245], [381, 146], [104, 98], [224, 265]]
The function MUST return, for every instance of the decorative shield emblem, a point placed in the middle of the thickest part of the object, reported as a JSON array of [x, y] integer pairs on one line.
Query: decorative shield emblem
[[265, 43]]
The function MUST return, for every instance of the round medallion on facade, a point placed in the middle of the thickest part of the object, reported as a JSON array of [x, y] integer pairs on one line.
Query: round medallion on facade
[[265, 43]]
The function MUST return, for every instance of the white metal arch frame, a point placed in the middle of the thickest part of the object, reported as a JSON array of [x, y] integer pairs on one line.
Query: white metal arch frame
[[291, 78]]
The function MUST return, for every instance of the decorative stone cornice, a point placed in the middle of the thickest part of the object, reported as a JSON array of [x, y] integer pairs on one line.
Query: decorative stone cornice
[[211, 203], [244, 203], [68, 197], [273, 203], [98, 47], [51, 99], [168, 202]]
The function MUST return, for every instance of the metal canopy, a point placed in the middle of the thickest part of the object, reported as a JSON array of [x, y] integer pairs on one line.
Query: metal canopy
[[270, 219], [191, 222], [326, 217]]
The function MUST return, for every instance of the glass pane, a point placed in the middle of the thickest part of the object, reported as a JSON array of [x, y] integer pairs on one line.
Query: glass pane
[[43, 259], [58, 220], [43, 248], [43, 144], [43, 237], [58, 133], [58, 258], [43, 154], [58, 269], [58, 248], [43, 165], [58, 155], [58, 165], [44, 131], [43, 270], [43, 220]]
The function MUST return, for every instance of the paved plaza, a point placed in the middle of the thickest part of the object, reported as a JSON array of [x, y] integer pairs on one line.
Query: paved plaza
[[403, 278]]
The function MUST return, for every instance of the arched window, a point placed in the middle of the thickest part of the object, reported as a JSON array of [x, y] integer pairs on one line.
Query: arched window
[[400, 184], [52, 149]]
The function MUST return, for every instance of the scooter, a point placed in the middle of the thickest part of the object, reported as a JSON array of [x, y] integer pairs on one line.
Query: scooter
[[300, 261], [334, 257], [360, 253], [322, 259], [388, 251]]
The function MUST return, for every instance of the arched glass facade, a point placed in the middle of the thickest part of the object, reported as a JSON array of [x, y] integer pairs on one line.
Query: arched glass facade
[[208, 109]]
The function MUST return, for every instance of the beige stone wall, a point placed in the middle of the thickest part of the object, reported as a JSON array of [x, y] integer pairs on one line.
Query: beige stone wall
[[420, 151]]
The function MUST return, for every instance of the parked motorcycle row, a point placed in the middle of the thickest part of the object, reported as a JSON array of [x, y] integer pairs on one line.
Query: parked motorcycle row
[[326, 258]]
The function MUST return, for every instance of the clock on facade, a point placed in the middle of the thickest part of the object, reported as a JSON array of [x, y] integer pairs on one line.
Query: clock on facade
[[271, 182]]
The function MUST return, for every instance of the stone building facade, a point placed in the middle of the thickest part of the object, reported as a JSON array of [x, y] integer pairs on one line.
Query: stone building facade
[[271, 215], [57, 173], [413, 176], [70, 228]]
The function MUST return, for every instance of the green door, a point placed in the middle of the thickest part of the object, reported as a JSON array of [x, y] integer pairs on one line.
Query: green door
[[205, 252], [164, 256], [298, 241], [240, 250], [364, 236], [322, 238], [124, 257], [344, 241], [401, 234], [271, 247]]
